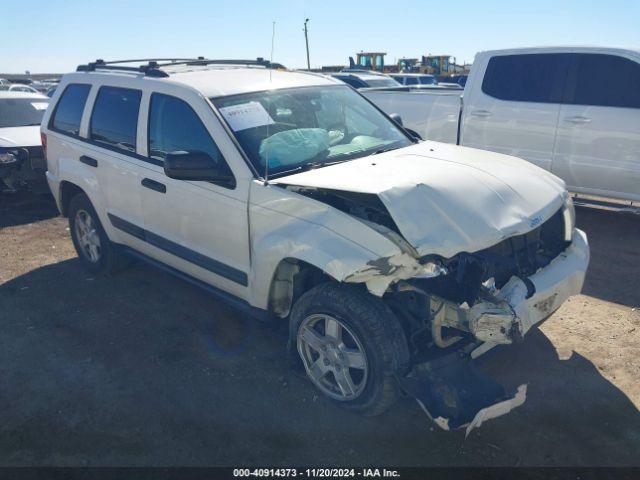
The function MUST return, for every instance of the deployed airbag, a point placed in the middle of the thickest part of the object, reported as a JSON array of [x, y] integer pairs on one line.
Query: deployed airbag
[[293, 146]]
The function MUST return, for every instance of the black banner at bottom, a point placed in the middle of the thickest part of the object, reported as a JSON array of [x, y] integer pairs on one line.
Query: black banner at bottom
[[279, 473]]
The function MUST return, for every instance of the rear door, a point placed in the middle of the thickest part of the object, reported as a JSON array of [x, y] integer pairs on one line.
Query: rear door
[[598, 144], [110, 152], [514, 108]]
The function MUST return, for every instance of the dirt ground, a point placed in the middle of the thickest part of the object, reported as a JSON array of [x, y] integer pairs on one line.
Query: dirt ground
[[144, 369]]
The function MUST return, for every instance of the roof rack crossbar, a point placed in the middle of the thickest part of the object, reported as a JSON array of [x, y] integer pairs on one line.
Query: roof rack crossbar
[[152, 67]]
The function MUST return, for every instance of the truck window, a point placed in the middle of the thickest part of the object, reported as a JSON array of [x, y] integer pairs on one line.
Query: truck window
[[68, 113], [604, 80], [526, 78], [114, 121]]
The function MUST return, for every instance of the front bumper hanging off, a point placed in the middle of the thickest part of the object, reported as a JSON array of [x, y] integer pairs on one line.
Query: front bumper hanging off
[[451, 389]]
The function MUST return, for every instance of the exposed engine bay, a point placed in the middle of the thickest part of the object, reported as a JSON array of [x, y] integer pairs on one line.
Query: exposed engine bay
[[455, 309], [441, 308]]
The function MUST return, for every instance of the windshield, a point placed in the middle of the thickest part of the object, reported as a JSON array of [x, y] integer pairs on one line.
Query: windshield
[[299, 128], [22, 112]]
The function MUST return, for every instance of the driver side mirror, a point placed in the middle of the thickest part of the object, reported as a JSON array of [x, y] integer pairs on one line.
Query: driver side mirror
[[398, 119], [198, 166]]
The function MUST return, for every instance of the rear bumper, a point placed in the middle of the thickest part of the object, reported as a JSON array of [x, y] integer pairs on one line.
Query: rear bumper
[[517, 310]]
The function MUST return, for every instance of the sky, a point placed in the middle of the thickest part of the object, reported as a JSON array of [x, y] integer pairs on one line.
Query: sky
[[54, 36]]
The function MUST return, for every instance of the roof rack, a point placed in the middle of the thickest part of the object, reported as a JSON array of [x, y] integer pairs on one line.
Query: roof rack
[[152, 67]]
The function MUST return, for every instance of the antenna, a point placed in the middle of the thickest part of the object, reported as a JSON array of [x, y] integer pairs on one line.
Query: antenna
[[266, 164], [306, 41]]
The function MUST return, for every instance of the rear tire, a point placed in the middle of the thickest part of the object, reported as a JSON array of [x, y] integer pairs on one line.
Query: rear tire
[[351, 345], [96, 252]]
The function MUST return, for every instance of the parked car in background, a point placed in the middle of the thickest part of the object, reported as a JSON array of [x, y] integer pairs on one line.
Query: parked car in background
[[453, 78], [394, 262], [22, 163], [414, 79], [574, 111], [366, 79], [51, 90], [16, 87]]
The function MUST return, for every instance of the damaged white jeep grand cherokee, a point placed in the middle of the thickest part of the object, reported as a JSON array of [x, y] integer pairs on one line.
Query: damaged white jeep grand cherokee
[[395, 261]]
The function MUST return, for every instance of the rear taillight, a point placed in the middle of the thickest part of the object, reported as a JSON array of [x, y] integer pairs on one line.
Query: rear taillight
[[43, 139]]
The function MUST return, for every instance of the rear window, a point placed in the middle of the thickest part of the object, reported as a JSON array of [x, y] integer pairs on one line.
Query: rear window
[[526, 78], [22, 112], [68, 113], [604, 80], [114, 121]]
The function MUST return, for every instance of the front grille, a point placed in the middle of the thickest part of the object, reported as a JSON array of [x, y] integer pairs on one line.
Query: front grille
[[523, 255]]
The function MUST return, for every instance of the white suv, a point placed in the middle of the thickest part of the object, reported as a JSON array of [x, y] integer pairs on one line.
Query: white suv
[[395, 261]]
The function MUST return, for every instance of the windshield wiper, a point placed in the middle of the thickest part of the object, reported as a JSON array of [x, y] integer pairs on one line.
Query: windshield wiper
[[383, 150]]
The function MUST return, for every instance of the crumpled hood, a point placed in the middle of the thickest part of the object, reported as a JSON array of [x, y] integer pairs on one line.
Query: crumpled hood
[[20, 136], [447, 199]]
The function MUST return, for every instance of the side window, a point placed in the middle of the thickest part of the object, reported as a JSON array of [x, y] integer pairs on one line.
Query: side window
[[174, 126], [526, 78], [604, 80], [114, 120], [68, 112], [411, 81]]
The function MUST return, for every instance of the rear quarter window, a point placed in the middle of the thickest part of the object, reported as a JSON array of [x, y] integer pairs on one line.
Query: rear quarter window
[[68, 111], [114, 120]]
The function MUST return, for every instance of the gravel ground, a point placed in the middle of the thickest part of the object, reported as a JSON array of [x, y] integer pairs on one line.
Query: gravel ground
[[143, 369]]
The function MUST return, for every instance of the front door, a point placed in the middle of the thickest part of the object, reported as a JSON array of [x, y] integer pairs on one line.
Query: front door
[[199, 228]]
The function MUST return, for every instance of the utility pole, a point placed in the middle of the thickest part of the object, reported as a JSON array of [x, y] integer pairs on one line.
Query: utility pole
[[306, 40]]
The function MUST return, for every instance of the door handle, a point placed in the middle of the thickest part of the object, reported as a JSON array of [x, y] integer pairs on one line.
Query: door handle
[[92, 162], [481, 113], [577, 119], [153, 185]]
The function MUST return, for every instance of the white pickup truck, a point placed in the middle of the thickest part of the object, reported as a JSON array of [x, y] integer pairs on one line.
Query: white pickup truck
[[574, 111]]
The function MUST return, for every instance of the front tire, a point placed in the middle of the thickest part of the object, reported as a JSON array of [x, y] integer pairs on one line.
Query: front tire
[[96, 252], [351, 345]]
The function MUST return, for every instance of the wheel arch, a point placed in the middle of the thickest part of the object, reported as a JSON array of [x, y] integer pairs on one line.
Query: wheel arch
[[68, 190], [291, 278]]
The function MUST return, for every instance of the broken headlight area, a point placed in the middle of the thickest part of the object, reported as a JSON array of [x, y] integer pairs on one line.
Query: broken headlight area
[[466, 298], [11, 161], [455, 316]]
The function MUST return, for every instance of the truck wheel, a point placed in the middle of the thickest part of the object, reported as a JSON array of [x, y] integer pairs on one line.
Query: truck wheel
[[95, 250], [351, 345]]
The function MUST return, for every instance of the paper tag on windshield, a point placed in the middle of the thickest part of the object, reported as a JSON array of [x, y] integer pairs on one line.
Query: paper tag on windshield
[[39, 105], [246, 115]]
